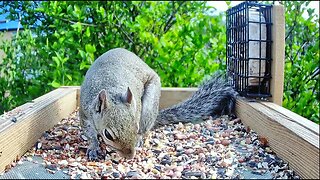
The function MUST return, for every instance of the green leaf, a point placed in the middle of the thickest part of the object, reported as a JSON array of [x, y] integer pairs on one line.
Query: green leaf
[[88, 32], [77, 11], [82, 54], [77, 26], [69, 9], [55, 84], [56, 60], [90, 48], [83, 65], [69, 77], [102, 12]]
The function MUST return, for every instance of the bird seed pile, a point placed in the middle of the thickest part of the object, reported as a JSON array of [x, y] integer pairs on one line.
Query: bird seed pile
[[220, 148]]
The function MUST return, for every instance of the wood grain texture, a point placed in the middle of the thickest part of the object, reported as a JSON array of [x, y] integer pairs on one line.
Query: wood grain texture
[[292, 137], [171, 96], [77, 89], [291, 140], [295, 117], [278, 45], [40, 115]]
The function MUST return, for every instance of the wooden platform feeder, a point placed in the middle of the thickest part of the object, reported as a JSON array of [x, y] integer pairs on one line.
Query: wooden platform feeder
[[292, 137]]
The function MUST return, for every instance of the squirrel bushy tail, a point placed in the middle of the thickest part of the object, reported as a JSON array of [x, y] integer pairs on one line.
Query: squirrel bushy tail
[[213, 98]]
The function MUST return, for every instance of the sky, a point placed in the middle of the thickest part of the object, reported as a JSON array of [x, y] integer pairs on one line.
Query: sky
[[222, 6]]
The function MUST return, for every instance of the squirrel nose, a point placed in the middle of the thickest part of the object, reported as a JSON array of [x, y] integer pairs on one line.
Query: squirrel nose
[[128, 153]]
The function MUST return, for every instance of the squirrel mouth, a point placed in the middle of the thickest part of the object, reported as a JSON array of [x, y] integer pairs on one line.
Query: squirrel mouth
[[127, 153], [123, 152], [113, 148]]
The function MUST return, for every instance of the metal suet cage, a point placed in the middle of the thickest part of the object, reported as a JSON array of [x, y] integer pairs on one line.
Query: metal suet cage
[[249, 48]]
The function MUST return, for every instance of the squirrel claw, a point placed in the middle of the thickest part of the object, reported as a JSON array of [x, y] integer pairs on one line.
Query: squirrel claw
[[140, 142], [93, 154]]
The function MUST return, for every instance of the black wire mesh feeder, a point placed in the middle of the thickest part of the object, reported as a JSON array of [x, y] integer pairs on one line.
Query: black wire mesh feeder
[[249, 48]]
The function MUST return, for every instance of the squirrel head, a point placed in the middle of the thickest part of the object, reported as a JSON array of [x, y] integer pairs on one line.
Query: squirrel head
[[116, 122]]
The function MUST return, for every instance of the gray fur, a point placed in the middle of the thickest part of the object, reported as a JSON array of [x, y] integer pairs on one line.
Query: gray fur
[[213, 98], [113, 73]]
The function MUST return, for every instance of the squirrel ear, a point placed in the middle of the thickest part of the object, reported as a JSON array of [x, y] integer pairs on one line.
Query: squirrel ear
[[129, 96], [102, 101]]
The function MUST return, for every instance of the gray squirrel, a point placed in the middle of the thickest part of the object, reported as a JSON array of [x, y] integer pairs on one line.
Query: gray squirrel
[[119, 100]]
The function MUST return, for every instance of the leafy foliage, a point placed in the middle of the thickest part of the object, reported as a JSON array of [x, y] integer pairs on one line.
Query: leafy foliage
[[179, 39], [174, 38], [301, 86], [169, 36]]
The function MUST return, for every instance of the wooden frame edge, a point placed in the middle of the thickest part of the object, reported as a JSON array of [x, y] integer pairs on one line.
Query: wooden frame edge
[[292, 137], [277, 63], [33, 119], [169, 95], [291, 140]]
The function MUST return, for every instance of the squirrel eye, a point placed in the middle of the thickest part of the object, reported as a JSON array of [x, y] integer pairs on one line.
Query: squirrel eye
[[108, 135]]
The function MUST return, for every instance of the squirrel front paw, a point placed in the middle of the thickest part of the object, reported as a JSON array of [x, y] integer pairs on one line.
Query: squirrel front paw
[[93, 153], [140, 142]]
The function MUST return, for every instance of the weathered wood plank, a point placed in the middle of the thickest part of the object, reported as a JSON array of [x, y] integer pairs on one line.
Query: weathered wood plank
[[295, 117], [292, 137], [295, 143], [40, 115], [171, 96], [277, 64], [77, 89]]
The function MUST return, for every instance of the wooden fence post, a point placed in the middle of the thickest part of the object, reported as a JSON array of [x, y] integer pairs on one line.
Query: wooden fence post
[[278, 49]]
